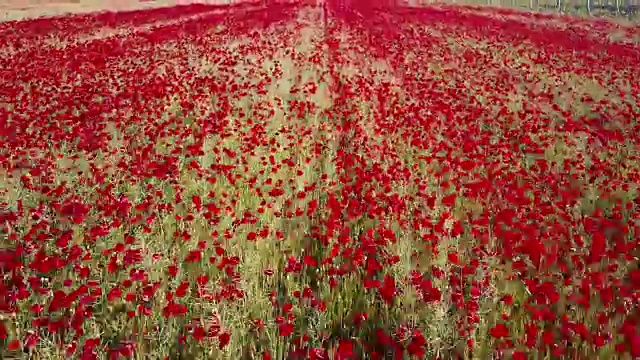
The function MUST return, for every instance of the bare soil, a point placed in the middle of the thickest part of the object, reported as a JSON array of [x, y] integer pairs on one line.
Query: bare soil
[[25, 9]]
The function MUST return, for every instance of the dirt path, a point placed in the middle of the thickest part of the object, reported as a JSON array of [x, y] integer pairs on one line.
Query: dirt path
[[19, 10]]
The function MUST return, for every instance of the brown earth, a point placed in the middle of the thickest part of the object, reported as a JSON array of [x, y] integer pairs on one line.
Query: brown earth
[[23, 9]]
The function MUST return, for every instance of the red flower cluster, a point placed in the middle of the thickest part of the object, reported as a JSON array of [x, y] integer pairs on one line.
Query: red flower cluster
[[280, 180]]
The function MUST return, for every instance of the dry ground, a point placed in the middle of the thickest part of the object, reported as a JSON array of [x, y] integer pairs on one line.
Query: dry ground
[[25, 9]]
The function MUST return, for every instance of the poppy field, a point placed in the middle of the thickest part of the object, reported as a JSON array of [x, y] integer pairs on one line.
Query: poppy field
[[295, 181]]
